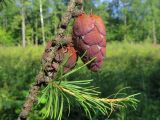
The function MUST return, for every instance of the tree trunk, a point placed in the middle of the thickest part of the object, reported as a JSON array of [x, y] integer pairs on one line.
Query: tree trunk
[[42, 21], [154, 33], [5, 23], [32, 36], [125, 25], [23, 26], [55, 26], [36, 36]]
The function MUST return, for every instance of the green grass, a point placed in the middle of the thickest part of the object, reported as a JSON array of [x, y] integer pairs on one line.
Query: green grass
[[133, 65]]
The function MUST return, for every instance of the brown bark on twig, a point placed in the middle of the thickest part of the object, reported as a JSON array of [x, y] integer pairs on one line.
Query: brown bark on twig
[[42, 77]]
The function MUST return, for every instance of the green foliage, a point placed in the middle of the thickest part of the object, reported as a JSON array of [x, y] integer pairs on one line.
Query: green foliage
[[134, 65], [5, 38], [16, 75]]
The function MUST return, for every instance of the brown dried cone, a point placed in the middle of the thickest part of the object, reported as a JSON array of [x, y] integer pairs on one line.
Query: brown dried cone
[[66, 52], [89, 36]]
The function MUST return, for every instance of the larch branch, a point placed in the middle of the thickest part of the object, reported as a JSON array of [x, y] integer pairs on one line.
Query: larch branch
[[42, 77]]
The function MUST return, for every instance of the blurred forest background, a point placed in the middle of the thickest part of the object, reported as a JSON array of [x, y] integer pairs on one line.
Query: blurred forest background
[[133, 53]]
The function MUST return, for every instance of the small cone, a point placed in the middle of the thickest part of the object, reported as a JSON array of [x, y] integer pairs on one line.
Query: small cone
[[66, 52]]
